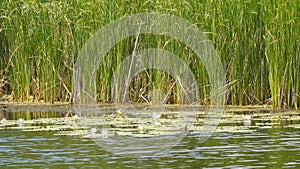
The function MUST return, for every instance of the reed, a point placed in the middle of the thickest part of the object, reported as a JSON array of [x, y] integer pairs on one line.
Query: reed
[[258, 42]]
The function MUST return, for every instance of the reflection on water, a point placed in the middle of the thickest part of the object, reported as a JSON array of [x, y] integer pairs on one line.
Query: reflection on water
[[264, 147]]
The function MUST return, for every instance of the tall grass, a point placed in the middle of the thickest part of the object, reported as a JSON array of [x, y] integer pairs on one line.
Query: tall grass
[[258, 42]]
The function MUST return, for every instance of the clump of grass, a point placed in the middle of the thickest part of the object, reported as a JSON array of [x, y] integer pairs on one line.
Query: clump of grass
[[258, 42], [282, 52]]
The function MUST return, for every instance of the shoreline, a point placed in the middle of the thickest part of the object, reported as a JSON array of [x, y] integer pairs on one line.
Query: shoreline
[[232, 108]]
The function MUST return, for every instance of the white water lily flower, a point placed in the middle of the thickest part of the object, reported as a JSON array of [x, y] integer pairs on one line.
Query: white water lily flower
[[20, 120], [140, 128], [119, 112], [75, 118], [156, 115], [247, 117], [104, 133], [3, 121], [93, 130]]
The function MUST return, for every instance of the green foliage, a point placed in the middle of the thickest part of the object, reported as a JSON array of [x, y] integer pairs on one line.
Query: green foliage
[[258, 42]]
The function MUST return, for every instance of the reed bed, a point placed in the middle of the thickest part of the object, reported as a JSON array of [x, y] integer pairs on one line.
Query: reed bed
[[258, 42]]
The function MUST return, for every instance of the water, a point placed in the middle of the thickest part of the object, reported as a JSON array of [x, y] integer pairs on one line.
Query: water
[[266, 147], [261, 149]]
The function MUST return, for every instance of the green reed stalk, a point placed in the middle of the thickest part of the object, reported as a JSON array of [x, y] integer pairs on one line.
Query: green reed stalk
[[258, 42]]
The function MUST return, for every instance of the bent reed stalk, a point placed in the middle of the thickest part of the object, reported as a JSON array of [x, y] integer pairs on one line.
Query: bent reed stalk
[[258, 42]]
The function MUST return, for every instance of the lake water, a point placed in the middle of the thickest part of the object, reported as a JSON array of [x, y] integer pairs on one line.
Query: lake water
[[269, 144]]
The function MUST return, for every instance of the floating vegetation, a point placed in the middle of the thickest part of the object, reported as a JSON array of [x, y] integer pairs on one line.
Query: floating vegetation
[[146, 124], [296, 126]]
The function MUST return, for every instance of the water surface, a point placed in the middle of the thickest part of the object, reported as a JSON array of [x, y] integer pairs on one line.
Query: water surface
[[268, 146]]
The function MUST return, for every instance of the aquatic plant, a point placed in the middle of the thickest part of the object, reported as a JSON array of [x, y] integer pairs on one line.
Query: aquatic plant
[[258, 42]]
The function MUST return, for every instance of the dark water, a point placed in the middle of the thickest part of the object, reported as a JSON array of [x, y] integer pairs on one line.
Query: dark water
[[265, 148]]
